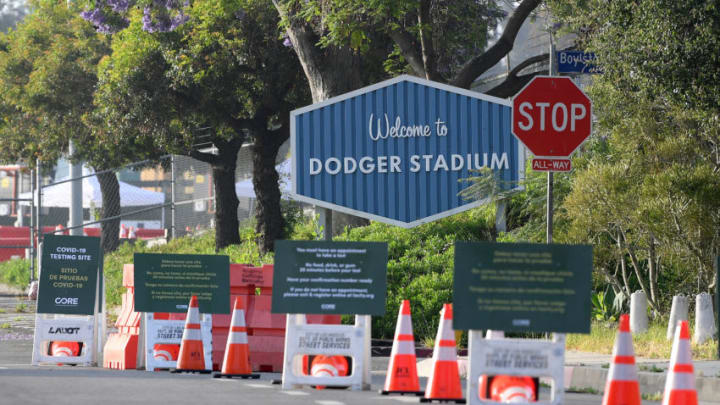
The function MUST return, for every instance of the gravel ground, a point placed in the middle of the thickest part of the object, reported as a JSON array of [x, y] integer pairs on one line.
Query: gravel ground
[[17, 315]]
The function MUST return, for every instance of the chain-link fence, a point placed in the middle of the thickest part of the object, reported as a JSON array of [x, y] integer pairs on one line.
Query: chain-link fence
[[157, 200]]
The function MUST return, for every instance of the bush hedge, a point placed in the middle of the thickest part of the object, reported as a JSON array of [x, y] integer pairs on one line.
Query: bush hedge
[[420, 266], [15, 273], [420, 262]]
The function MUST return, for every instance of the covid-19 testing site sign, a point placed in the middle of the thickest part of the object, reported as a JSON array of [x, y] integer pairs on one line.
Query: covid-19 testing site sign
[[68, 280], [396, 151]]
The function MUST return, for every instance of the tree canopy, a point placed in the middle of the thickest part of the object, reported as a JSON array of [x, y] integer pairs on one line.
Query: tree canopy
[[647, 195], [48, 75], [216, 81]]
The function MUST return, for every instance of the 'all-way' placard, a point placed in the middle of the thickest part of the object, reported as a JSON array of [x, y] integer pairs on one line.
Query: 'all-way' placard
[[551, 165]]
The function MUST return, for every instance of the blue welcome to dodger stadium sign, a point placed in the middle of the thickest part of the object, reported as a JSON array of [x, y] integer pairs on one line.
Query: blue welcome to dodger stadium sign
[[394, 151]]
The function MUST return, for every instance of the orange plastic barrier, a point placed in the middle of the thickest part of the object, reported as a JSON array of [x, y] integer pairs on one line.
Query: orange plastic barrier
[[266, 331], [120, 351]]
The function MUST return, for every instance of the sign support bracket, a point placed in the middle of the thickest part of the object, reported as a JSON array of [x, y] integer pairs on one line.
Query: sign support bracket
[[300, 339]]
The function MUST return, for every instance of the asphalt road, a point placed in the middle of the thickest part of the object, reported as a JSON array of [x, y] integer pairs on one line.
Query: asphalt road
[[21, 383], [79, 386]]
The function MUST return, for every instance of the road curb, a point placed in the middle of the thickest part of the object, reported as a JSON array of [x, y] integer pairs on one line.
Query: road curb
[[578, 377], [593, 378]]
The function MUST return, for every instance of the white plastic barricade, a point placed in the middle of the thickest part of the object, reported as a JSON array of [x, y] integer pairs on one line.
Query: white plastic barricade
[[521, 357], [334, 340], [164, 331], [64, 328]]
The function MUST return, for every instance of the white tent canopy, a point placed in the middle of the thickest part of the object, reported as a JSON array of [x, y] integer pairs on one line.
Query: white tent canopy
[[245, 189], [59, 195]]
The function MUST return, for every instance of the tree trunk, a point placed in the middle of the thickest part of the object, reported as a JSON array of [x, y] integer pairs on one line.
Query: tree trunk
[[270, 224], [613, 280], [652, 270], [110, 190], [641, 280], [226, 201], [623, 268]]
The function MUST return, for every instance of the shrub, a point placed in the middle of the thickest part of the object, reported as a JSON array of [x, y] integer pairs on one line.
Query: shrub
[[203, 244], [420, 266], [15, 272], [420, 261]]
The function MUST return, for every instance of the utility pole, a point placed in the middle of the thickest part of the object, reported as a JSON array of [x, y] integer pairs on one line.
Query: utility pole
[[76, 200]]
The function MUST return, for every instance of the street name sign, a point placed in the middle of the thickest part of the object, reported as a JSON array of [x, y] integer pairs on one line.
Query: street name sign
[[577, 62], [395, 151], [522, 287]]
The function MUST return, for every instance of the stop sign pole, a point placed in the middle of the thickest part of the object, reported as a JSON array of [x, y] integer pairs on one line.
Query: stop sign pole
[[549, 225], [552, 117]]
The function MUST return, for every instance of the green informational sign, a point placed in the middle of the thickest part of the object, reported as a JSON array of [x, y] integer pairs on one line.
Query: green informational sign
[[68, 276], [314, 277], [522, 287], [165, 283]]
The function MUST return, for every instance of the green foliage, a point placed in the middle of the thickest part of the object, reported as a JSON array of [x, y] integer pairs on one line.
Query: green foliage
[[648, 195], [224, 66], [47, 80], [646, 46], [420, 266], [606, 306], [15, 273], [527, 210], [420, 262], [458, 30], [221, 79], [246, 252]]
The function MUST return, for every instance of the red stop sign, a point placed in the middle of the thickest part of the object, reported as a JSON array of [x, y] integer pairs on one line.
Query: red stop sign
[[551, 116]]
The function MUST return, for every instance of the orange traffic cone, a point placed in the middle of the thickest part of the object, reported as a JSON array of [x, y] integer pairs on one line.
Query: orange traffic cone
[[510, 389], [402, 375], [444, 381], [680, 383], [123, 232], [622, 386], [328, 366], [191, 358], [64, 349], [236, 362], [131, 233], [166, 352]]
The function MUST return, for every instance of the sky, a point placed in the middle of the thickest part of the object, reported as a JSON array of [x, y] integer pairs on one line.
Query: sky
[[11, 11]]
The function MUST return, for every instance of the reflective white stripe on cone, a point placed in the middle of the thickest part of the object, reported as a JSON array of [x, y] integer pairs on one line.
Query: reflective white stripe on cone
[[444, 381], [402, 369], [680, 383], [622, 387]]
